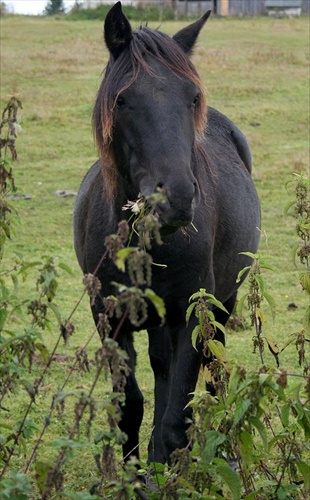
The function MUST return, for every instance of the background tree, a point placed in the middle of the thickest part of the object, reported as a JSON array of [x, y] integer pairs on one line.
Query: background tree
[[54, 7], [3, 8]]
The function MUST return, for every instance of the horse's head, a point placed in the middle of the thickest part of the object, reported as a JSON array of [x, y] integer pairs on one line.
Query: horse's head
[[150, 114]]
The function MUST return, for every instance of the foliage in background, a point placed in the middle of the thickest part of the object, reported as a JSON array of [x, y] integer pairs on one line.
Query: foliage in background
[[141, 13], [54, 7], [252, 439], [301, 211], [8, 133]]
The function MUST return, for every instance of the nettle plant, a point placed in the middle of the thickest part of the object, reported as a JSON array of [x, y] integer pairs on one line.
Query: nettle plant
[[22, 320], [250, 439], [300, 209], [21, 345]]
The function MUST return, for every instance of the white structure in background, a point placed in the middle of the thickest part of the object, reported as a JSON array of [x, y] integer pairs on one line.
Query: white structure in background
[[220, 7], [91, 4]]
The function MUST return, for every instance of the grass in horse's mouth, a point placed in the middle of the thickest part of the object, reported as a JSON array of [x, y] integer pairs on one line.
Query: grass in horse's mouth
[[145, 206], [144, 218], [135, 206]]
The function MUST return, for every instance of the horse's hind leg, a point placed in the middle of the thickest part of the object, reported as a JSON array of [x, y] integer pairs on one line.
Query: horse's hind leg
[[160, 358], [185, 365]]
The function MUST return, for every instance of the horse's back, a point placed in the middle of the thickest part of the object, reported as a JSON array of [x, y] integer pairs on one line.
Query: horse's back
[[221, 129]]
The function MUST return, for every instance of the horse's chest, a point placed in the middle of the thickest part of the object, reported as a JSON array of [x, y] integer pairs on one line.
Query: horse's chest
[[181, 269]]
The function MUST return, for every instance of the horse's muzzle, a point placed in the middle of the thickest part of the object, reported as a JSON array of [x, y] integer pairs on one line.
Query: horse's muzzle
[[176, 215]]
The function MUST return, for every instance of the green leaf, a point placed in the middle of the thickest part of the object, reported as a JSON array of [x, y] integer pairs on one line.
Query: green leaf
[[219, 326], [16, 487], [271, 302], [213, 440], [217, 303], [304, 278], [157, 302], [233, 383], [254, 256], [122, 255], [55, 310], [288, 206], [291, 339], [29, 388], [29, 265], [304, 470], [218, 350], [264, 265], [259, 426], [242, 406], [252, 495], [305, 226], [304, 422], [240, 304], [42, 470], [66, 268], [198, 295], [14, 280], [157, 467], [241, 273], [43, 351], [276, 439], [3, 317], [246, 446], [189, 311], [66, 443], [285, 413], [261, 282], [231, 479], [196, 331]]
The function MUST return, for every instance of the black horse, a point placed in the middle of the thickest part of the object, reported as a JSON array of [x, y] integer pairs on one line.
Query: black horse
[[155, 132]]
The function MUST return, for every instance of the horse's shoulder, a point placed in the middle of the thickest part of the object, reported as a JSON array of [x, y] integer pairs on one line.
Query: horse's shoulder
[[91, 175], [219, 124]]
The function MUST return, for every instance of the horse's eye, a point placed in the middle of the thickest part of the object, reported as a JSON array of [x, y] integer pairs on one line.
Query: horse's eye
[[195, 100], [120, 102]]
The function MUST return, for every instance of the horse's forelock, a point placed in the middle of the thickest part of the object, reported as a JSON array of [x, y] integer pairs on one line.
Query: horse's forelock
[[169, 53], [165, 50]]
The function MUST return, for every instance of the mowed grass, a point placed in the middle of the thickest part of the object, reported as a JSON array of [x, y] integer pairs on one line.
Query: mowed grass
[[255, 71]]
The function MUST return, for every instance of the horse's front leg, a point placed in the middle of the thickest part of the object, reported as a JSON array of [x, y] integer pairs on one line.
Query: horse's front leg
[[184, 370], [132, 409], [160, 358]]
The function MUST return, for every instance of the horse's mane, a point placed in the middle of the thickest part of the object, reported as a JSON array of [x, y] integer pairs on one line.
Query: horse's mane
[[144, 42]]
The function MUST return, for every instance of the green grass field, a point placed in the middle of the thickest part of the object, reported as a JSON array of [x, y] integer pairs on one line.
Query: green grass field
[[255, 71]]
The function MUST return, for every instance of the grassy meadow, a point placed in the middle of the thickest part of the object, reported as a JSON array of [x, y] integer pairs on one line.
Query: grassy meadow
[[256, 71]]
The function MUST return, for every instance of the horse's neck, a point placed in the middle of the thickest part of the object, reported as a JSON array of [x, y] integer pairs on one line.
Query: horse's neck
[[123, 199]]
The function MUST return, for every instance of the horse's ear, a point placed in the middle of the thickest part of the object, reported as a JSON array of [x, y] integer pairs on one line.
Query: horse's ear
[[117, 30], [187, 37]]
